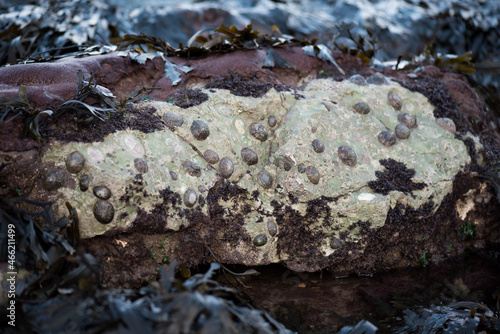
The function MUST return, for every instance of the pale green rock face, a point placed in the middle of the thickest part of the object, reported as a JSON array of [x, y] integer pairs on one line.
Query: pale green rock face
[[325, 113]]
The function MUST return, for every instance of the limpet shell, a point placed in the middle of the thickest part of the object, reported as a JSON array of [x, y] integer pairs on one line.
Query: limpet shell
[[272, 228], [53, 179], [211, 157], [104, 211], [394, 100], [141, 165], [347, 155], [265, 180], [387, 138], [102, 192], [312, 174], [75, 162], [272, 121], [335, 243], [173, 118], [358, 80], [226, 167], [190, 197], [447, 124], [318, 146], [402, 131], [258, 131], [84, 182], [361, 108], [200, 130], [260, 240], [191, 168], [408, 120], [301, 168], [173, 175], [249, 156], [377, 79]]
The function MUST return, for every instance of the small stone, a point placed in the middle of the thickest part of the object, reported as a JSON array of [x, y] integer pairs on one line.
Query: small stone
[[53, 179], [358, 80], [387, 138], [272, 121], [318, 146], [75, 162], [312, 174], [402, 131], [104, 211], [378, 79], [84, 182], [347, 155], [265, 180], [226, 167], [301, 168], [394, 100], [102, 192], [141, 165], [361, 108], [335, 243], [447, 124], [211, 156], [408, 120], [249, 156], [190, 197], [200, 130], [191, 168], [173, 175], [272, 228], [173, 119], [260, 240], [258, 131]]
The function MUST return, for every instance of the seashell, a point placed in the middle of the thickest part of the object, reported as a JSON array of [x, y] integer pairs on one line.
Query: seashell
[[173, 175], [141, 165], [408, 120], [75, 162], [104, 211], [191, 168], [394, 100], [402, 131], [53, 179], [265, 180], [335, 243], [387, 138], [173, 119], [287, 165], [301, 168], [84, 182], [361, 108], [200, 130], [258, 131], [102, 192], [260, 240], [272, 121], [314, 129], [211, 157], [226, 167], [272, 228], [312, 174], [318, 146], [358, 80], [447, 124], [202, 189], [347, 155], [249, 156], [190, 197], [378, 79]]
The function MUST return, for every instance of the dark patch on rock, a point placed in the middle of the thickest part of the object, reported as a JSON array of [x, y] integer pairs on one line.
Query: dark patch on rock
[[241, 86], [66, 126], [396, 177], [186, 98], [438, 96]]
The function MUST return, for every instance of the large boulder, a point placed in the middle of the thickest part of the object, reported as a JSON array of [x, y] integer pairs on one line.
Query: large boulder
[[355, 176]]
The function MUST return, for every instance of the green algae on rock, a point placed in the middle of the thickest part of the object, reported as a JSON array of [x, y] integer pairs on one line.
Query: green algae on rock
[[271, 186]]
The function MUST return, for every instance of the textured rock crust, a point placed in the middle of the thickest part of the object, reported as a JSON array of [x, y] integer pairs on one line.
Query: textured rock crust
[[378, 209]]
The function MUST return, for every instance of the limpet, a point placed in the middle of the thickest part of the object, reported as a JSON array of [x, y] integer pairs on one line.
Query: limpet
[[408, 120], [104, 211], [190, 197], [102, 192], [260, 240], [75, 162], [53, 179], [173, 175], [358, 80], [318, 146], [272, 228], [84, 182], [249, 156], [192, 168], [141, 165], [211, 156], [301, 168], [361, 108], [258, 131], [272, 121], [447, 124], [265, 179], [173, 118], [378, 79], [335, 243], [226, 167], [402, 131], [200, 130], [312, 174], [347, 155], [394, 100], [387, 138]]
